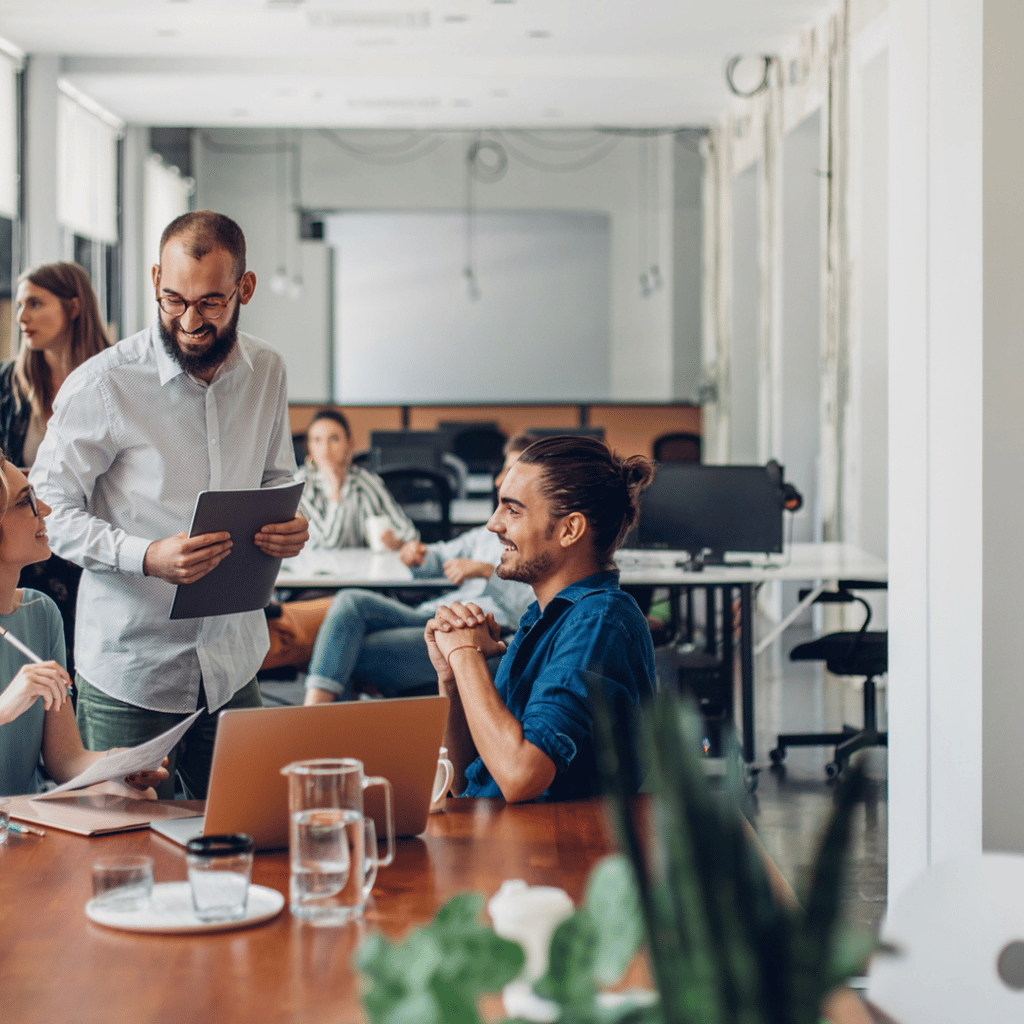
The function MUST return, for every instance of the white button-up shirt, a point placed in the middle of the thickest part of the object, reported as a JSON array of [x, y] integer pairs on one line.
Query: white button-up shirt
[[132, 441]]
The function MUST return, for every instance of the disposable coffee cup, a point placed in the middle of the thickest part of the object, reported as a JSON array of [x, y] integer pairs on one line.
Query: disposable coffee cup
[[375, 527]]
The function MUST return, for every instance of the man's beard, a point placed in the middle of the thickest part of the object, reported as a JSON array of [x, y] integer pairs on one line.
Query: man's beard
[[530, 571], [218, 351]]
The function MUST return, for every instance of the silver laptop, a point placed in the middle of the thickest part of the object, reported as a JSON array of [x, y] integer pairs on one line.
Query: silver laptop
[[398, 739]]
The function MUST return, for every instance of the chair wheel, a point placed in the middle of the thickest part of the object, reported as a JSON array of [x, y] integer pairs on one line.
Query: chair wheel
[[778, 755], [832, 769]]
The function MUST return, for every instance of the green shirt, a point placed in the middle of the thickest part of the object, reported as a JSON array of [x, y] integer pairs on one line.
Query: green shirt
[[37, 624]]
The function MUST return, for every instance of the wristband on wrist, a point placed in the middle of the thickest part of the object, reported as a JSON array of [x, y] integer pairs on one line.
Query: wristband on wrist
[[462, 647]]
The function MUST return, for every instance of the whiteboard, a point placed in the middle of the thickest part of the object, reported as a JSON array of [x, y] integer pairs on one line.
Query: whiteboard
[[408, 330]]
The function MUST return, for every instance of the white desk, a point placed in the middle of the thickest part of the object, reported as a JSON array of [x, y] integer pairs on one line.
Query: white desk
[[470, 511], [819, 564], [352, 567]]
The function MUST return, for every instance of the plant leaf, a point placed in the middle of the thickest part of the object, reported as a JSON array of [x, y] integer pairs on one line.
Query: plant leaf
[[614, 905]]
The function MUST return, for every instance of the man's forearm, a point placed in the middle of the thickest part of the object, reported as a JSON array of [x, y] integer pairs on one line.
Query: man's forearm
[[521, 770], [458, 739]]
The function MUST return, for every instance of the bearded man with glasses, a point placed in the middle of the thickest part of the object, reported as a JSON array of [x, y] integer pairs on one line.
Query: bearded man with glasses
[[137, 432]]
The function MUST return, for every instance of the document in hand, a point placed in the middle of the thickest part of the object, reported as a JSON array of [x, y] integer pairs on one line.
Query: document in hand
[[244, 581], [135, 759]]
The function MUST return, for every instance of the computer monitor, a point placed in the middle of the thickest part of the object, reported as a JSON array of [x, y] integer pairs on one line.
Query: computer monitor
[[709, 510], [404, 449]]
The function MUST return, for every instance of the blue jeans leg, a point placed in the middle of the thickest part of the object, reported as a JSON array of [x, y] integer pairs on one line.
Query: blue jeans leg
[[395, 660], [353, 616]]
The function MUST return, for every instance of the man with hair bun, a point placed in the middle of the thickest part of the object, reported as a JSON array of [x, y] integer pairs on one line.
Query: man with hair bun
[[563, 509]]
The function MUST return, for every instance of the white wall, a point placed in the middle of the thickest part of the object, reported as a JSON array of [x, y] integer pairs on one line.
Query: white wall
[[956, 558], [746, 298], [871, 343], [800, 404], [42, 236], [644, 338]]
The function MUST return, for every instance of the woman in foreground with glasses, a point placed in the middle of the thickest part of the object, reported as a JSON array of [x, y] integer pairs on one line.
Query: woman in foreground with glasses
[[36, 716], [61, 327]]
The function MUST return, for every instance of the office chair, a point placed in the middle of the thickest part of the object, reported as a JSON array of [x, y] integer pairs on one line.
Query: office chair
[[481, 448], [680, 446], [852, 653], [425, 496], [300, 447]]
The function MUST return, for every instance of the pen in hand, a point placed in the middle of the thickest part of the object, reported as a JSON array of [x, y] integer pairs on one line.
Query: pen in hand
[[18, 645]]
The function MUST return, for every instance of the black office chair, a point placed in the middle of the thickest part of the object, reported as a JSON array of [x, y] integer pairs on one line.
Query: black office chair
[[425, 496], [481, 448], [680, 446], [860, 653], [300, 446]]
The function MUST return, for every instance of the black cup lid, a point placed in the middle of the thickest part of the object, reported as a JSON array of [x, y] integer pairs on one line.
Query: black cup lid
[[222, 845]]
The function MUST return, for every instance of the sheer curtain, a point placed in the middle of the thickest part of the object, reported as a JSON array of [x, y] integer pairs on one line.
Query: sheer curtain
[[86, 169], [8, 137], [167, 195]]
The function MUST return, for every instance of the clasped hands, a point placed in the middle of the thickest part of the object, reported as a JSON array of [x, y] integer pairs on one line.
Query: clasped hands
[[457, 626]]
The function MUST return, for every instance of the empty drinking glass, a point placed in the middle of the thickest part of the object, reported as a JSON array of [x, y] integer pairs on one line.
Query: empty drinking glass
[[219, 872]]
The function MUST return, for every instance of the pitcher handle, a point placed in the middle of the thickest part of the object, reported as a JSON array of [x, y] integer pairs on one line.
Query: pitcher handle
[[377, 780]]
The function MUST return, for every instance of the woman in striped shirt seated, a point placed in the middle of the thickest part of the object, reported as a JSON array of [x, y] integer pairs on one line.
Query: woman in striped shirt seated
[[339, 496]]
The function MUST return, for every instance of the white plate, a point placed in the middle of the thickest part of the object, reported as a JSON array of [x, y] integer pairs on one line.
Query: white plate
[[170, 910]]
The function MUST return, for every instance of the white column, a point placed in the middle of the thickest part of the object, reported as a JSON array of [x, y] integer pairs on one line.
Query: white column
[[1002, 383], [42, 240], [135, 262], [956, 504]]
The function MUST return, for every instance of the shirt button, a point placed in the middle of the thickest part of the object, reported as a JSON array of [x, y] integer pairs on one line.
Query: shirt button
[[213, 440]]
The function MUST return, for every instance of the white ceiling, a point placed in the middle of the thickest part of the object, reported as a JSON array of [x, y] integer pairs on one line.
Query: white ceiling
[[389, 63]]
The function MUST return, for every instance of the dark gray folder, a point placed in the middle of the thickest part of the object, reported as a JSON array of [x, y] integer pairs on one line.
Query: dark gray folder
[[244, 581]]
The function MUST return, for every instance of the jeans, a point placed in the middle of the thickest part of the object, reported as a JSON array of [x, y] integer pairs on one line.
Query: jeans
[[371, 639], [105, 721]]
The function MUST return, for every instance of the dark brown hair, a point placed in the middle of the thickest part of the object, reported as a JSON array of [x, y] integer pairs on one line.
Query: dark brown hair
[[202, 232], [68, 281], [336, 415], [518, 442], [582, 474]]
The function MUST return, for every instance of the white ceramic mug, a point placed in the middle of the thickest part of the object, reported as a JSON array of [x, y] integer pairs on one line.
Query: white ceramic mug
[[443, 779], [374, 529]]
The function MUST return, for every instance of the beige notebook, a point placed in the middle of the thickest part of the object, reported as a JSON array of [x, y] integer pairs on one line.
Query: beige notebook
[[92, 812]]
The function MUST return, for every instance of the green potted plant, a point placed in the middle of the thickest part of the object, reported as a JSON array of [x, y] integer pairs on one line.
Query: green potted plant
[[722, 949]]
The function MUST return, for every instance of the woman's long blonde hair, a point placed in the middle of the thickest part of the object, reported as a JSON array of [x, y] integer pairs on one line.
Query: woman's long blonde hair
[[67, 281]]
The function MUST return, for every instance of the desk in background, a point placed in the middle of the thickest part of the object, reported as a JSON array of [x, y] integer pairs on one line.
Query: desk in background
[[57, 966], [819, 564]]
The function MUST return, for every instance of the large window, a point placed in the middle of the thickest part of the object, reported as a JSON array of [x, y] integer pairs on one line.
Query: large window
[[87, 183]]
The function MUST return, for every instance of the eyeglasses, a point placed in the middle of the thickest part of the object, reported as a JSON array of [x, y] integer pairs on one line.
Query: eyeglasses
[[208, 309], [30, 500]]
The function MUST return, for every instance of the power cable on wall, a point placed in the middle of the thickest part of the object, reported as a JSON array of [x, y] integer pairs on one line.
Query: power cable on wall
[[382, 157]]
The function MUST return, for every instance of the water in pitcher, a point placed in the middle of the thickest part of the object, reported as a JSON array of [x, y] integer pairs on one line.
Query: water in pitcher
[[326, 865]]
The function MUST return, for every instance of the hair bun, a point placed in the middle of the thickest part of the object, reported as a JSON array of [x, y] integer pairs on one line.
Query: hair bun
[[637, 473]]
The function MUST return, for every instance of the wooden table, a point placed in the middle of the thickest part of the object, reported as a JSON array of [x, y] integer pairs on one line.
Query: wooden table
[[57, 966]]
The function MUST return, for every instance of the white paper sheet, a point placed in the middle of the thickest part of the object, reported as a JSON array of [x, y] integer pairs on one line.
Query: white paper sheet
[[145, 756]]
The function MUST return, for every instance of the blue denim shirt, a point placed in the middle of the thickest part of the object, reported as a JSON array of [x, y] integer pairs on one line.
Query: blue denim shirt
[[590, 633]]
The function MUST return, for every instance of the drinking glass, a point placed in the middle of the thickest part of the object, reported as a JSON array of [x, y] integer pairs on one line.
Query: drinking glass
[[219, 872], [5, 820], [122, 883], [327, 838]]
